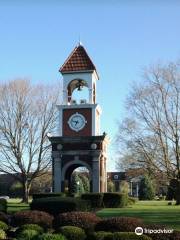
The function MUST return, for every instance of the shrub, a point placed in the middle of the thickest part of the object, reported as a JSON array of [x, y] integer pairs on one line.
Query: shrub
[[55, 205], [4, 217], [27, 234], [3, 226], [3, 205], [101, 235], [35, 227], [47, 195], [129, 236], [132, 200], [34, 217], [95, 199], [73, 233], [2, 234], [84, 220], [50, 236], [113, 200], [118, 224]]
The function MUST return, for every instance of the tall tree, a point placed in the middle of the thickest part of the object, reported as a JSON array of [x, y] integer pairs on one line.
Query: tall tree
[[151, 133], [27, 114]]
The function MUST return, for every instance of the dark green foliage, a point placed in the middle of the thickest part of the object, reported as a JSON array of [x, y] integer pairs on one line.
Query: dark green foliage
[[43, 219], [4, 217], [171, 193], [84, 220], [16, 190], [132, 200], [3, 226], [129, 236], [146, 189], [46, 195], [73, 233], [115, 200], [27, 234], [55, 205], [85, 182], [76, 184], [95, 199], [2, 234], [50, 236], [3, 205], [118, 224], [35, 227]]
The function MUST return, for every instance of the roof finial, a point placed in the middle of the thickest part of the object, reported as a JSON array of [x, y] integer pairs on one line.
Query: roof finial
[[79, 42]]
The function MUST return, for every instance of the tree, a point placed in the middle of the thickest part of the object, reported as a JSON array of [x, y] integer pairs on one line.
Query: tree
[[110, 186], [27, 114], [151, 133], [76, 184], [85, 182], [124, 187], [146, 189]]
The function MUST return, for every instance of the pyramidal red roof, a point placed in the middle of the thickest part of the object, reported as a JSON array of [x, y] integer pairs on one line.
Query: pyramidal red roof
[[78, 60]]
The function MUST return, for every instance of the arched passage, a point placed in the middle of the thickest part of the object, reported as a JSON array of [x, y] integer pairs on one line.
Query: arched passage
[[69, 169]]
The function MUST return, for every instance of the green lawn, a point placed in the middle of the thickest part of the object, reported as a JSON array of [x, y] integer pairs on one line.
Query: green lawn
[[15, 205], [150, 211]]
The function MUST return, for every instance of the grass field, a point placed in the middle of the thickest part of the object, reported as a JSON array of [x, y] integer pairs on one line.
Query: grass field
[[150, 211]]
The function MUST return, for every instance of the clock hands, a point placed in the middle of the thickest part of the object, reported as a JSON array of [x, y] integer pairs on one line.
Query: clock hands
[[76, 122]]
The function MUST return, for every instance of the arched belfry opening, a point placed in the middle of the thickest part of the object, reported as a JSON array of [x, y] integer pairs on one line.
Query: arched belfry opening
[[78, 141]]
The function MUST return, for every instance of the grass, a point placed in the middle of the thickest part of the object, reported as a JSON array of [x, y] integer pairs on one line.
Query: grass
[[15, 205], [153, 212]]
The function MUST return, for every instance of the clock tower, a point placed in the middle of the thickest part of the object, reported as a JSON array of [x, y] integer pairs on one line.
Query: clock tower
[[78, 141]]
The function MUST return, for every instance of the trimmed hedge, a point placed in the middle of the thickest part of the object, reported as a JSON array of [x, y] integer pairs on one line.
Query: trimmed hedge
[[118, 224], [2, 234], [56, 205], [115, 200], [132, 200], [50, 236], [3, 226], [84, 220], [95, 199], [43, 219], [129, 236], [73, 233], [27, 234], [4, 217], [101, 235], [35, 227], [47, 195], [3, 205]]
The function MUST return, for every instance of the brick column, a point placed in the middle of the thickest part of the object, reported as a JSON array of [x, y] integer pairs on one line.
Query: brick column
[[56, 171], [96, 175]]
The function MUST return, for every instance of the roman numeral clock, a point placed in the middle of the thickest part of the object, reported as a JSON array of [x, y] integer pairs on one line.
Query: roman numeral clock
[[78, 141]]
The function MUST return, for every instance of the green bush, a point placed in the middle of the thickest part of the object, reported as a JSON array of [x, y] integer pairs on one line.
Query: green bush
[[73, 233], [146, 188], [43, 219], [84, 220], [27, 234], [50, 236], [132, 200], [118, 224], [3, 226], [55, 205], [129, 236], [3, 205], [35, 227], [2, 234], [115, 200], [47, 195], [95, 199], [101, 235]]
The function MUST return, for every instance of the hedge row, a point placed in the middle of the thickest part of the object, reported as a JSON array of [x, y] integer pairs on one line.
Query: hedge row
[[109, 200], [3, 205], [55, 205], [46, 195]]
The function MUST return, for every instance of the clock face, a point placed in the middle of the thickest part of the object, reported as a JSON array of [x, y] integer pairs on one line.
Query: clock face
[[77, 122]]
